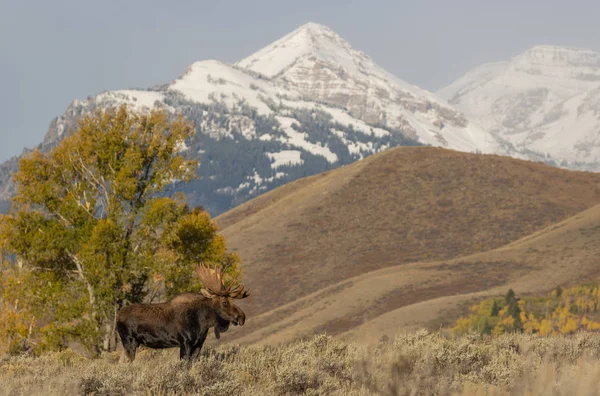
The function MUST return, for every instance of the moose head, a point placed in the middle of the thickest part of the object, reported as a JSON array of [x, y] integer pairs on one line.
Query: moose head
[[221, 296]]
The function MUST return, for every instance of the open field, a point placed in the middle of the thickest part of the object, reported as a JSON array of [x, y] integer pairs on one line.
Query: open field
[[416, 363]]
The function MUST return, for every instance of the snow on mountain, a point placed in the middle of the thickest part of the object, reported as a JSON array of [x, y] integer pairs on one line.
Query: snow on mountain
[[308, 44], [545, 101], [303, 104], [285, 157], [214, 81], [322, 67], [138, 99], [301, 140]]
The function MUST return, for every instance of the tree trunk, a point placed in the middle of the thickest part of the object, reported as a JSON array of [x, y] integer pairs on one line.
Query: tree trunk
[[109, 343]]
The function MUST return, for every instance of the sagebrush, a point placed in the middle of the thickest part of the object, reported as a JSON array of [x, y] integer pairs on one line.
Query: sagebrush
[[418, 363]]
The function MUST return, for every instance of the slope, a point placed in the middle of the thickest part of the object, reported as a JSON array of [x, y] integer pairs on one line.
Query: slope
[[432, 294], [400, 206]]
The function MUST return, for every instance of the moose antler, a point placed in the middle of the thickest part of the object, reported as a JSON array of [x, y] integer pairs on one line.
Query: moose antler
[[238, 292], [212, 279]]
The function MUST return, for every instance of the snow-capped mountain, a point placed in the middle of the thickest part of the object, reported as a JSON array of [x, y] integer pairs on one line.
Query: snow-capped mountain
[[322, 67], [303, 104], [545, 101]]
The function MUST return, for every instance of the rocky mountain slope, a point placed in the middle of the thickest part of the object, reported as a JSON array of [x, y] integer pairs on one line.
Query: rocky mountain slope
[[545, 101], [302, 105], [317, 63]]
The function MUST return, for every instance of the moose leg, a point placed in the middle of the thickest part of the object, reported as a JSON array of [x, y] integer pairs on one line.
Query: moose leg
[[129, 342], [128, 354], [185, 348], [198, 345]]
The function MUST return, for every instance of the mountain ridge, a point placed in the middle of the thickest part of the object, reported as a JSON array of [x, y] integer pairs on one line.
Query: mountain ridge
[[544, 101], [256, 132], [323, 67]]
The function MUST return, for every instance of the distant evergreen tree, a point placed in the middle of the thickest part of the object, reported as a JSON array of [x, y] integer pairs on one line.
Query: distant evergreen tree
[[558, 291], [513, 309], [510, 296], [487, 327], [495, 309]]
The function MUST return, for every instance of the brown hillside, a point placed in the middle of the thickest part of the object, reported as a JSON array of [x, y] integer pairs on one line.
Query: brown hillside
[[417, 295], [404, 205]]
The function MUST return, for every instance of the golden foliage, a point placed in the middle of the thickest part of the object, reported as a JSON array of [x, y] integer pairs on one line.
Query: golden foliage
[[563, 311], [90, 230]]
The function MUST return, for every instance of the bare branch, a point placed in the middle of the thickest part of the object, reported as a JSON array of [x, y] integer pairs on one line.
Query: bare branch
[[97, 183], [78, 202], [64, 220], [80, 272]]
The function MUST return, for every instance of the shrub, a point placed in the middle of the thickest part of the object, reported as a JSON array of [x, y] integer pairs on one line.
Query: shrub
[[416, 363]]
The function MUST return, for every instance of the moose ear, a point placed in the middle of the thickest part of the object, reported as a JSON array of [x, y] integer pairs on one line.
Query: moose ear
[[207, 294]]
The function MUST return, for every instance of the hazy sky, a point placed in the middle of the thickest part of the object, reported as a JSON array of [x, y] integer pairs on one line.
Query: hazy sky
[[52, 52]]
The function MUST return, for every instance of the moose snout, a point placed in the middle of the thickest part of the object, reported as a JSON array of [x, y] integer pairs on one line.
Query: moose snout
[[241, 319]]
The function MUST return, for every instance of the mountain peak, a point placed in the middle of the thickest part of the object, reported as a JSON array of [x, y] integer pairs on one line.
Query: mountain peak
[[308, 40], [544, 101], [314, 27], [558, 56]]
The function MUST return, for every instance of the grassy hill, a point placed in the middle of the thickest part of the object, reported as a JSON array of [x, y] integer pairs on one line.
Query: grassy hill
[[314, 240], [434, 294]]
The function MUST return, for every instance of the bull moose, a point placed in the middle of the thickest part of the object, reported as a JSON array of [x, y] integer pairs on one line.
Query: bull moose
[[183, 321]]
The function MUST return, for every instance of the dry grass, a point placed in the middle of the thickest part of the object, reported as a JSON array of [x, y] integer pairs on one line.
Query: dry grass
[[417, 363], [408, 204]]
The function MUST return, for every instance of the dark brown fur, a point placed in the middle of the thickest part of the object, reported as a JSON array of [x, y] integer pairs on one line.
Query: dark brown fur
[[184, 321]]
